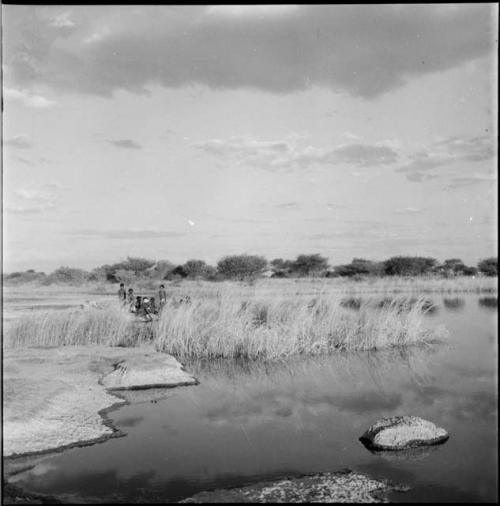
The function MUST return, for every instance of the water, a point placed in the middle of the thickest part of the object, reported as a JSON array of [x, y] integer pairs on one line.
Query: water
[[245, 423]]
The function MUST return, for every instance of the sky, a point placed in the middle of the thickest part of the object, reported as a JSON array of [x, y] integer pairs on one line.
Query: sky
[[180, 132]]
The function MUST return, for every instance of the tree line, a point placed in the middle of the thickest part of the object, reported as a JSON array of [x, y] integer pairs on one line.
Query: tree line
[[244, 267]]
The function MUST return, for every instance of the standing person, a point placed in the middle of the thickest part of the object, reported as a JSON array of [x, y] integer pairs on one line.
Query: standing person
[[163, 296], [130, 298], [122, 294]]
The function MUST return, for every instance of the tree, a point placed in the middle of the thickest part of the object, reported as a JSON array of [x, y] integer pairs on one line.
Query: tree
[[68, 275], [307, 265], [360, 266], [160, 269], [488, 266], [409, 266], [241, 266], [281, 268], [196, 269], [125, 276], [176, 273]]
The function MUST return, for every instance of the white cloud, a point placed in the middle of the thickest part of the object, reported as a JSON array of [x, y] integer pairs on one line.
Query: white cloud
[[446, 152], [248, 11], [34, 200], [408, 210], [287, 154], [27, 98], [62, 21]]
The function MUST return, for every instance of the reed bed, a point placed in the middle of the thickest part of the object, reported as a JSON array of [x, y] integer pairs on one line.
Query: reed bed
[[112, 327], [228, 327], [241, 322]]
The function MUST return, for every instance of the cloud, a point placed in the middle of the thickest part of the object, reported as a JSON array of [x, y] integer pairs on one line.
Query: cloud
[[363, 154], [62, 21], [408, 210], [27, 98], [125, 143], [19, 141], [34, 200], [418, 177], [364, 50], [288, 205], [126, 234], [458, 182], [287, 154], [446, 152]]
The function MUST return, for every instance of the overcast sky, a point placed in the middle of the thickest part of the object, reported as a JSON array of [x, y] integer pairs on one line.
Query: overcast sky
[[195, 132]]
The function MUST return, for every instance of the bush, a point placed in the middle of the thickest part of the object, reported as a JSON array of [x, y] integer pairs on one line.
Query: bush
[[241, 266], [488, 266], [67, 275], [198, 269], [409, 266], [310, 265], [125, 276], [28, 276], [281, 268]]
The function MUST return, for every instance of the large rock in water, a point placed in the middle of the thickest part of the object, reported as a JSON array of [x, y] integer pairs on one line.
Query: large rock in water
[[402, 433]]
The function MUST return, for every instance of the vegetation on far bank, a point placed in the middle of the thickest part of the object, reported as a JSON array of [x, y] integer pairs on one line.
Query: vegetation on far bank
[[137, 271], [234, 323]]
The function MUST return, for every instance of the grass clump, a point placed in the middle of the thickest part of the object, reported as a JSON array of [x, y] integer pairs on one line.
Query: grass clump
[[112, 327], [240, 323], [226, 327]]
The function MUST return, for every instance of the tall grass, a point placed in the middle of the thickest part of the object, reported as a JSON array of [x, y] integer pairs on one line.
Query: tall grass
[[233, 322], [228, 327], [112, 327]]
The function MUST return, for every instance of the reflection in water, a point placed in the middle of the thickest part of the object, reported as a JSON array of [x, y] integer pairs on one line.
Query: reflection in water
[[418, 453], [454, 303], [488, 302]]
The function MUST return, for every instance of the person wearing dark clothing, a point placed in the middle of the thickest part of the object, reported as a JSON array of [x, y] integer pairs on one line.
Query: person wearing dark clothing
[[152, 304], [163, 296], [122, 294], [138, 304]]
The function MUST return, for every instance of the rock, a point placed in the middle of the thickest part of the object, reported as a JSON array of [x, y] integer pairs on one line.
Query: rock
[[402, 433], [343, 486], [151, 370], [58, 397]]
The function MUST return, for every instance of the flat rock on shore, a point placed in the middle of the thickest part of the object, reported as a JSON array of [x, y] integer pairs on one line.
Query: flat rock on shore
[[403, 433], [345, 486], [53, 397]]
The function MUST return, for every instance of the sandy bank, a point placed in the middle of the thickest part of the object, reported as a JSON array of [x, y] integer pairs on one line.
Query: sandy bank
[[56, 397]]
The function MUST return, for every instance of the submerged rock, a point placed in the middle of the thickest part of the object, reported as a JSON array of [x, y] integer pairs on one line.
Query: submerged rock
[[343, 486], [403, 433]]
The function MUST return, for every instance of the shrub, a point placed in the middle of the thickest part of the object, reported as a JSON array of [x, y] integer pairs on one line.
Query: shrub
[[241, 266], [198, 269], [68, 275], [409, 266], [28, 276], [488, 266], [281, 268], [310, 265]]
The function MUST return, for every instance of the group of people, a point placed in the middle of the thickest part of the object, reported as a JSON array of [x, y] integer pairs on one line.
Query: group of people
[[144, 306]]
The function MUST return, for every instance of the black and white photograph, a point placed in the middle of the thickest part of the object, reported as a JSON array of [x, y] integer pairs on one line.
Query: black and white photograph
[[249, 253]]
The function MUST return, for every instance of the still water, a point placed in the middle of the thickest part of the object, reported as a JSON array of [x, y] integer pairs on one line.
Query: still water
[[246, 423]]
